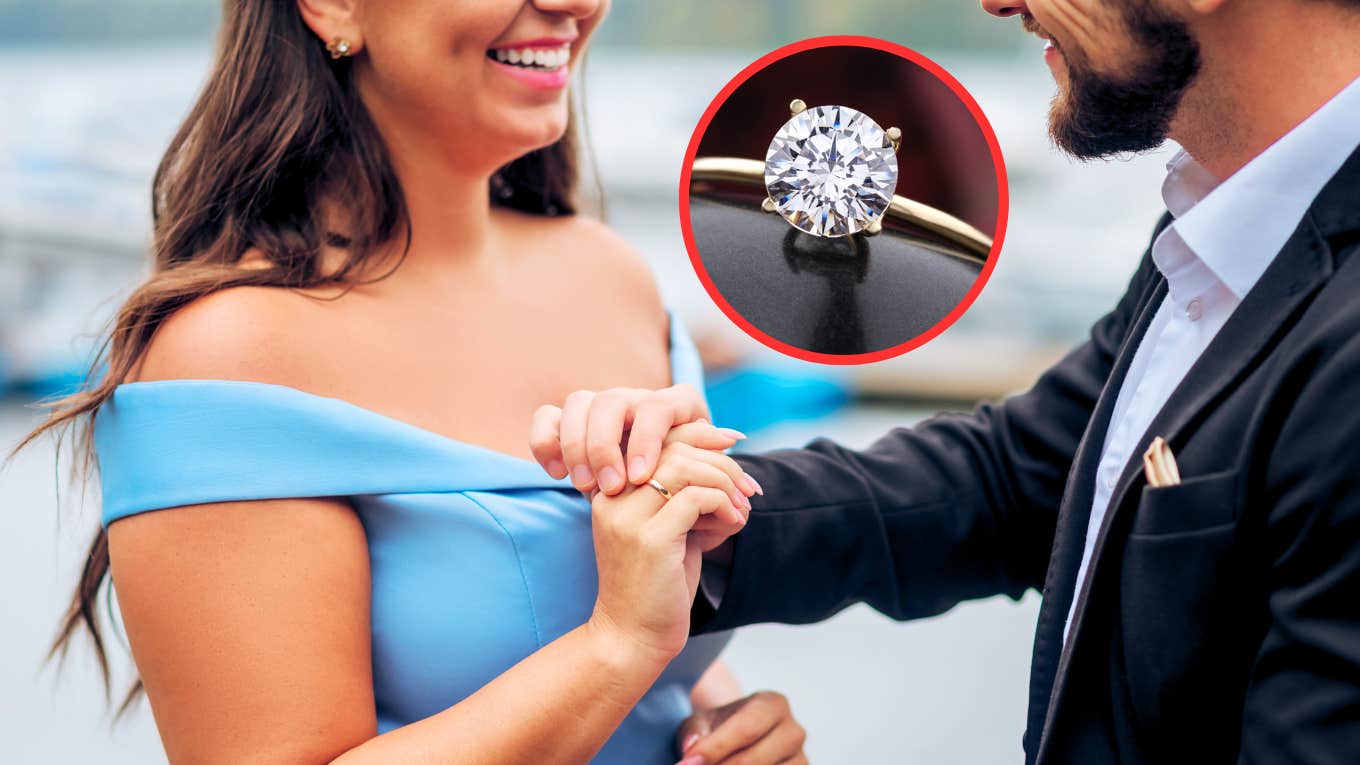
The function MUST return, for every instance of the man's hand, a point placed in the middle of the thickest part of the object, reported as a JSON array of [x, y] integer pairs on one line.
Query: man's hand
[[756, 730], [586, 437]]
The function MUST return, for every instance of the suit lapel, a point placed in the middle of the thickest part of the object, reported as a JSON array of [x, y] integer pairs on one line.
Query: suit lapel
[[1073, 515], [1301, 267]]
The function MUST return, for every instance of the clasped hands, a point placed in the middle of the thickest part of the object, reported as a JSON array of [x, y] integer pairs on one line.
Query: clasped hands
[[649, 548]]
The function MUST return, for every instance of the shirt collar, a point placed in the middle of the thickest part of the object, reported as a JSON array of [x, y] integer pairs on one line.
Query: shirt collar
[[1238, 226]]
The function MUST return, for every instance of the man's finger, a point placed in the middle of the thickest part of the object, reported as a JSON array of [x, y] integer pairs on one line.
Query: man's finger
[[749, 724], [695, 727], [543, 440], [781, 743]]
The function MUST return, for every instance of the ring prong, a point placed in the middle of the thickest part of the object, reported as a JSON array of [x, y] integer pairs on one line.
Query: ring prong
[[874, 228], [797, 106], [894, 136], [767, 204]]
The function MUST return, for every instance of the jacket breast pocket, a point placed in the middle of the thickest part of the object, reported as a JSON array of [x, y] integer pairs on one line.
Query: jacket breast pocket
[[1182, 611], [1195, 504]]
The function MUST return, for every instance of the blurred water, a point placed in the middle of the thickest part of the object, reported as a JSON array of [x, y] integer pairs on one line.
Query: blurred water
[[80, 132]]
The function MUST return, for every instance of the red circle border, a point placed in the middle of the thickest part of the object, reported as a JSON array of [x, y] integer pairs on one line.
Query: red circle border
[[998, 162]]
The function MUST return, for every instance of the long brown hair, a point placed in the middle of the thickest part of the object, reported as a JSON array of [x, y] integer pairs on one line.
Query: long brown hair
[[278, 131]]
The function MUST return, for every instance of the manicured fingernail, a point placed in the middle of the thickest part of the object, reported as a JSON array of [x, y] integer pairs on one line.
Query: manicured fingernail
[[690, 741], [697, 759], [730, 433], [755, 485], [636, 467], [581, 476], [740, 500], [610, 480], [557, 469], [704, 420]]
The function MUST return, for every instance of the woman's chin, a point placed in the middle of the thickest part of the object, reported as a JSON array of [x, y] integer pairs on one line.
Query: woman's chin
[[531, 130]]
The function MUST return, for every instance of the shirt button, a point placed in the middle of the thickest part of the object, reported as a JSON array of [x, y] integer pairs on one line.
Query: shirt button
[[1194, 310]]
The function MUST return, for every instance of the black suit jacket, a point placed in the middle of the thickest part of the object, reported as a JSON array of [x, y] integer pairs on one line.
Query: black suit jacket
[[1220, 621]]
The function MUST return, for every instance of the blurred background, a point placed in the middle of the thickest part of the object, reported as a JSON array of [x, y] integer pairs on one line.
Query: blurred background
[[90, 92]]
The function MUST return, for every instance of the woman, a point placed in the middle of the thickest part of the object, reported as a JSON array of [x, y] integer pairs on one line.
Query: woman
[[328, 541]]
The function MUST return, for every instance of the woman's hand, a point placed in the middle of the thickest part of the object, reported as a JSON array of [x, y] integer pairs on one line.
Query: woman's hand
[[756, 730], [648, 559], [584, 438]]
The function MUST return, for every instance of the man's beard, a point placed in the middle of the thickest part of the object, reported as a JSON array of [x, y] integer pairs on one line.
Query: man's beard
[[1102, 115]]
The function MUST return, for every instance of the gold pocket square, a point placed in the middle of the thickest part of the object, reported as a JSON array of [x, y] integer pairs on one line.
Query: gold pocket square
[[1159, 464]]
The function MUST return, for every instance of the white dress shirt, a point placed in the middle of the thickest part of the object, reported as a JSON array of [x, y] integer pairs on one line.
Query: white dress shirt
[[1222, 239]]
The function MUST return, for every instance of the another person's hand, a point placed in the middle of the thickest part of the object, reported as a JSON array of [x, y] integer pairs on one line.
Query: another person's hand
[[756, 730], [585, 437], [647, 557]]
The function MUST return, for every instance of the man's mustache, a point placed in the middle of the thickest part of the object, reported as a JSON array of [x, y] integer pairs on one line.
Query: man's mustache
[[1034, 27]]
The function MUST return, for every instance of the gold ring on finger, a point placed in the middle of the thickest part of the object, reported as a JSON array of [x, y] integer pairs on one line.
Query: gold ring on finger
[[660, 488]]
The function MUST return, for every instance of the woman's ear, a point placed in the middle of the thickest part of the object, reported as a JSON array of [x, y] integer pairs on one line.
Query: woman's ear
[[332, 20]]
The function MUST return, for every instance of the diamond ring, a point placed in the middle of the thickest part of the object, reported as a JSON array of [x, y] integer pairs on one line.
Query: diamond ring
[[749, 174], [831, 170]]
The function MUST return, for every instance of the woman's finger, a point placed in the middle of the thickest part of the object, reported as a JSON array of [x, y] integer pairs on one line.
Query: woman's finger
[[653, 416], [606, 420], [721, 461], [703, 435], [543, 440], [680, 469], [572, 436], [678, 515], [720, 525], [652, 420]]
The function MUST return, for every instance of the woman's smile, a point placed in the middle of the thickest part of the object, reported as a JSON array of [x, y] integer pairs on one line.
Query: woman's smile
[[542, 63]]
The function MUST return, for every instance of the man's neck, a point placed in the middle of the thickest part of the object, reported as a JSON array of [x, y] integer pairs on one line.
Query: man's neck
[[1266, 68]]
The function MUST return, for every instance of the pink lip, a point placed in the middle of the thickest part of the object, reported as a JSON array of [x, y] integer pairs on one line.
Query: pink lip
[[553, 80]]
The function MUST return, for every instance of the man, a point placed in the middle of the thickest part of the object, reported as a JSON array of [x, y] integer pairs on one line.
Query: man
[[1211, 619]]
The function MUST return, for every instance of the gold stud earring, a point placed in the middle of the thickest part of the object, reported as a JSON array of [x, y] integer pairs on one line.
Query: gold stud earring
[[339, 47]]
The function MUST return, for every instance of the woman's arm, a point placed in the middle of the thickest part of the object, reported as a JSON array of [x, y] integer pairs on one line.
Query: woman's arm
[[249, 625], [249, 622]]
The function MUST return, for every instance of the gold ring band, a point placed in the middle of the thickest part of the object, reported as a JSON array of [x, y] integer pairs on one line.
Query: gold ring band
[[977, 245], [662, 490]]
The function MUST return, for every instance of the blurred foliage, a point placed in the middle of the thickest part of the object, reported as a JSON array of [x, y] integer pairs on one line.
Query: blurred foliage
[[747, 25]]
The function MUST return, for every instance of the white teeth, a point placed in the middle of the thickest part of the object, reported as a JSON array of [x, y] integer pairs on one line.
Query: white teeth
[[545, 58]]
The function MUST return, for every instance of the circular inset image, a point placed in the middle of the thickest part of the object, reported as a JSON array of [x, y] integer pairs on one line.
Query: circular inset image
[[843, 200]]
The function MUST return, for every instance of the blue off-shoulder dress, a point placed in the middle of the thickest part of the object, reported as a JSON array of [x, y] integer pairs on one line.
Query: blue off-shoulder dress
[[478, 558]]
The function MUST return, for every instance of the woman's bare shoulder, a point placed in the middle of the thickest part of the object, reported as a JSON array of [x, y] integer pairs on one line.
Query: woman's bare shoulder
[[257, 333], [605, 256]]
